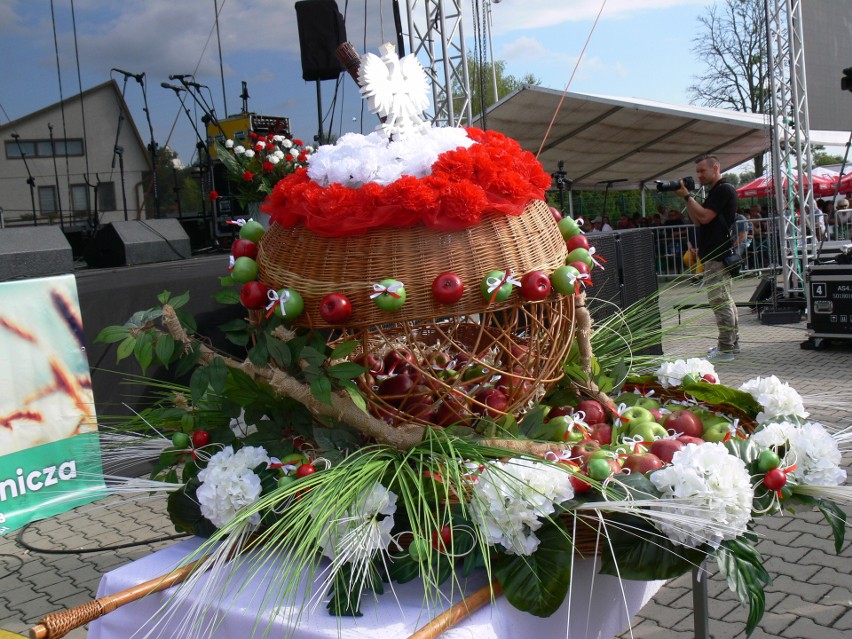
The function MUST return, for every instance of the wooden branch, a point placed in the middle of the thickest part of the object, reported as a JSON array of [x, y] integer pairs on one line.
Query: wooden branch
[[459, 612]]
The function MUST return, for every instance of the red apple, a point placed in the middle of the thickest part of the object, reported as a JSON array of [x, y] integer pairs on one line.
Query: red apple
[[200, 438], [709, 378], [643, 463], [658, 415], [579, 484], [244, 248], [689, 439], [556, 214], [447, 288], [372, 363], [666, 448], [452, 411], [422, 411], [535, 285], [559, 411], [582, 449], [399, 360], [578, 241], [253, 295], [601, 433], [495, 402], [581, 266], [395, 389], [593, 410], [684, 422], [335, 308]]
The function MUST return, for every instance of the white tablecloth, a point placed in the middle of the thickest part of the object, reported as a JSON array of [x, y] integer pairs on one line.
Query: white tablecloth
[[390, 616]]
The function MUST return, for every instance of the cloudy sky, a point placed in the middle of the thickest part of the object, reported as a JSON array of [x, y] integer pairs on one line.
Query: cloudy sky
[[639, 48]]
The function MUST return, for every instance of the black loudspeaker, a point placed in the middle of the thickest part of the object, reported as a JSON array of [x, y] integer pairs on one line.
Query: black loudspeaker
[[34, 251], [138, 242], [321, 30], [628, 277]]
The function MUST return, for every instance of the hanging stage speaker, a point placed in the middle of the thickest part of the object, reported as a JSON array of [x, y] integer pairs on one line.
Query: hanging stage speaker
[[34, 251], [138, 242], [321, 30]]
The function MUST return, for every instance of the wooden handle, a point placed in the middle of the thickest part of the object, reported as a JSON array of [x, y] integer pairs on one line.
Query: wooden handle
[[349, 58], [58, 624], [461, 611]]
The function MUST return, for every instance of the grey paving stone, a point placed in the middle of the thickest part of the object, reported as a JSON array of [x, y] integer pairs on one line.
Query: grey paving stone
[[805, 628]]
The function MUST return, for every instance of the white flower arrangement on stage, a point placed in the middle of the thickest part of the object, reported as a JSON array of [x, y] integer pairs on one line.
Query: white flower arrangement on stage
[[777, 398], [671, 374], [228, 483], [809, 448]]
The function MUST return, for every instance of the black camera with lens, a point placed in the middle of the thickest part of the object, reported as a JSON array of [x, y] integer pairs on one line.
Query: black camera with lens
[[674, 185]]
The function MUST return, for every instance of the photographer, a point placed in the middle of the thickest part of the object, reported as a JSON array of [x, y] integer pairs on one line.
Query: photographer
[[713, 221]]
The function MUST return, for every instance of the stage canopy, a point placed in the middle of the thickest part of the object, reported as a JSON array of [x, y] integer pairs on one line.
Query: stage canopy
[[635, 141]]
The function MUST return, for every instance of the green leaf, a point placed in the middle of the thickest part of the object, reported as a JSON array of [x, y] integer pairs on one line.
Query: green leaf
[[641, 552], [533, 421], [312, 356], [344, 349], [834, 516], [345, 598], [538, 583], [227, 280], [227, 296], [720, 395], [346, 370], [741, 565], [112, 334], [234, 325], [163, 297], [165, 348], [354, 394], [239, 338], [144, 351], [279, 351], [125, 348], [187, 361], [198, 383], [180, 300], [217, 375], [259, 353], [186, 320], [321, 389], [337, 439]]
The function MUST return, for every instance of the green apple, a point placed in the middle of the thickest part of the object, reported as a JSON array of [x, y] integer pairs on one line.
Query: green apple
[[389, 295], [245, 270], [716, 428], [636, 414], [647, 402], [580, 255], [492, 279], [690, 378], [292, 302], [252, 230], [564, 280], [561, 429], [568, 227], [767, 460], [648, 431]]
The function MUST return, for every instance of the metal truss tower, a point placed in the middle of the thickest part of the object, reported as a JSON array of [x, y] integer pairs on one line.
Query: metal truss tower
[[436, 37], [791, 143]]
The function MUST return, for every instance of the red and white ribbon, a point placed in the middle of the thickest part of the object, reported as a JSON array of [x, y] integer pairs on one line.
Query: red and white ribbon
[[592, 251], [231, 262], [238, 222], [391, 289], [495, 283], [275, 298]]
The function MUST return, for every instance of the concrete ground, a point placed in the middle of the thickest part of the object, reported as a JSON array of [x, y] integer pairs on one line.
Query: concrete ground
[[811, 597]]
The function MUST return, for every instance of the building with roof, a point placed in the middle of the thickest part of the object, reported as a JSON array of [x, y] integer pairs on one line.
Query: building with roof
[[76, 163]]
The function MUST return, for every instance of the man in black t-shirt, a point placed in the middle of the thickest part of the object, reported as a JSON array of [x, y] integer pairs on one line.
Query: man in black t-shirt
[[713, 220]]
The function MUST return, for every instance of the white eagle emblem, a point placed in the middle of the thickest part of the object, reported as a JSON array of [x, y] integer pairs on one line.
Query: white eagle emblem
[[396, 90]]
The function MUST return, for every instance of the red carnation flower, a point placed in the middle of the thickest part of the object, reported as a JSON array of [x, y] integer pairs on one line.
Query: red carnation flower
[[213, 195], [298, 142], [253, 135], [268, 167], [289, 157], [259, 147], [303, 156], [248, 176], [270, 146]]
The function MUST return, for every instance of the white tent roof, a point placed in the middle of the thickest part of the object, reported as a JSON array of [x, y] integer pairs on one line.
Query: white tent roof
[[634, 141]]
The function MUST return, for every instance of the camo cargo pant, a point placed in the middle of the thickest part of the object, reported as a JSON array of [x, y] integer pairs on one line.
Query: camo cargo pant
[[718, 284]]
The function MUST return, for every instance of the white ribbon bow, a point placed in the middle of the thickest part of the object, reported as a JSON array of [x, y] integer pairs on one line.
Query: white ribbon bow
[[493, 283], [275, 298], [592, 251], [391, 290]]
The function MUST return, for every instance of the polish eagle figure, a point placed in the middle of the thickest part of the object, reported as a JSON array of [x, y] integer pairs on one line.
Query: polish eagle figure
[[397, 90]]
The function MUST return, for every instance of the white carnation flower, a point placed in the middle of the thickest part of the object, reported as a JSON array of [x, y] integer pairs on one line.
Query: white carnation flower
[[272, 159], [710, 488], [239, 149], [229, 143], [672, 373], [364, 530], [777, 398], [809, 446], [511, 499], [287, 143], [228, 483]]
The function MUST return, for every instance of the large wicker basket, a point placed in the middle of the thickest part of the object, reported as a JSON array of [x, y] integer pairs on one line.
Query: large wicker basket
[[516, 346]]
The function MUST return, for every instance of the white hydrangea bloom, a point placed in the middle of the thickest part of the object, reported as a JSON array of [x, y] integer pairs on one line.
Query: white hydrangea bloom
[[228, 483], [777, 398], [229, 143], [364, 530], [708, 485], [357, 159], [810, 447], [672, 373], [511, 499]]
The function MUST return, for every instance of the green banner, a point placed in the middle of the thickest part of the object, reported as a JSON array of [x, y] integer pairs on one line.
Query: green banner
[[47, 480]]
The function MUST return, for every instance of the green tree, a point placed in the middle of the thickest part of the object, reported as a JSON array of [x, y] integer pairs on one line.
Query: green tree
[[821, 158], [173, 178], [481, 80], [731, 44]]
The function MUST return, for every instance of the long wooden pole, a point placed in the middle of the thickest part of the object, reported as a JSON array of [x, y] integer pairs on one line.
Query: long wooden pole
[[458, 613]]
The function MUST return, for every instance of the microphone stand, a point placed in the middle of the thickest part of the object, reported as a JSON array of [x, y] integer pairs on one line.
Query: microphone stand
[[119, 151], [30, 178], [205, 168], [152, 147], [56, 179]]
